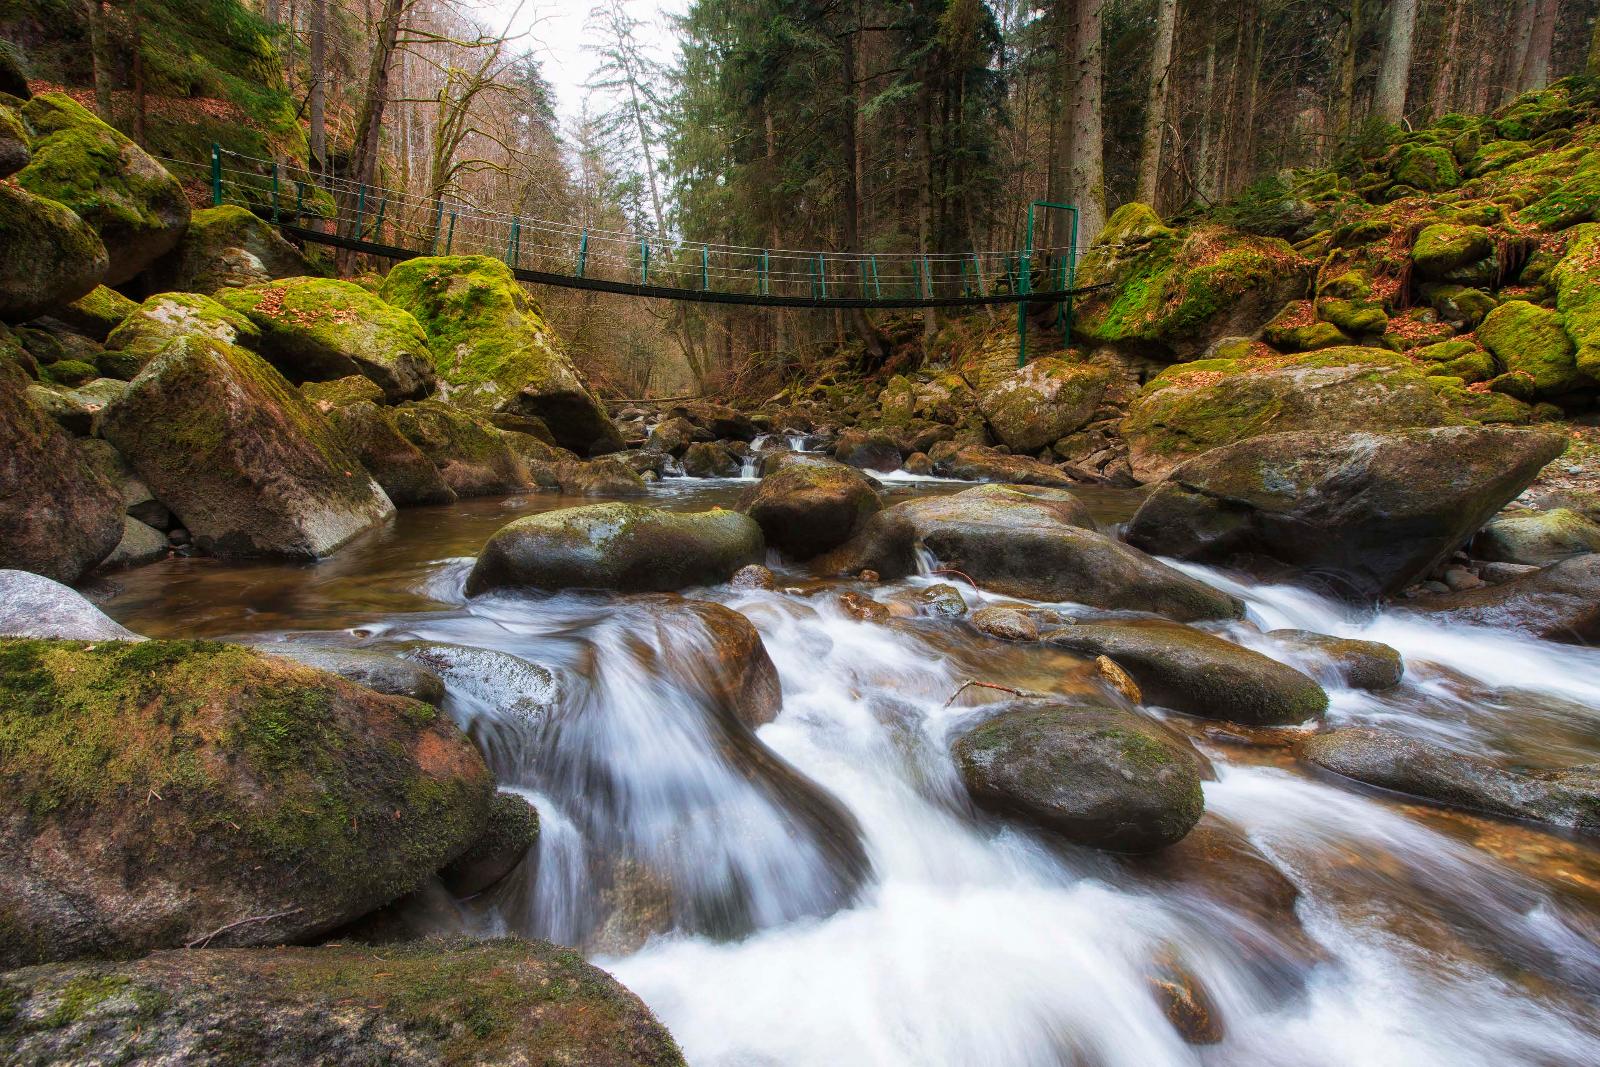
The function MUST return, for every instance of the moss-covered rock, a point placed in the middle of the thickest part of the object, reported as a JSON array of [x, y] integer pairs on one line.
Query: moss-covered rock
[[1296, 329], [14, 153], [492, 346], [1575, 200], [70, 373], [1189, 670], [1177, 292], [1386, 508], [1539, 538], [502, 1003], [240, 456], [59, 516], [805, 509], [1347, 301], [228, 246], [1427, 167], [712, 459], [137, 208], [48, 256], [321, 329], [407, 475], [1359, 664], [13, 72], [625, 547], [1459, 303], [512, 831], [1577, 281], [96, 314], [1530, 339], [148, 329], [1188, 409], [472, 457], [211, 770], [1103, 777], [1560, 602], [1457, 359], [978, 463], [1445, 248], [1041, 403]]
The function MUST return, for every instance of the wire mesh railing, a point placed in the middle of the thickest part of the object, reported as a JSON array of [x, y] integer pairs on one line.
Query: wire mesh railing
[[342, 212]]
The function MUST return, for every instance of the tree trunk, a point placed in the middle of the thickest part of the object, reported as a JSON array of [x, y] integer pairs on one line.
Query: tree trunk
[[1155, 110], [369, 120], [1535, 71], [318, 61], [136, 19], [1511, 60], [1087, 178], [1345, 102], [1204, 149], [100, 55], [1394, 72], [1592, 68], [1444, 76]]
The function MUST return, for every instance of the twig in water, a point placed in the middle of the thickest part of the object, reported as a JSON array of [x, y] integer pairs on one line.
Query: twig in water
[[201, 942], [962, 688], [959, 574]]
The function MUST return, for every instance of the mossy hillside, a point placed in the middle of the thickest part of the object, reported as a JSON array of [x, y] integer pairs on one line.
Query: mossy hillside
[[224, 766], [137, 208]]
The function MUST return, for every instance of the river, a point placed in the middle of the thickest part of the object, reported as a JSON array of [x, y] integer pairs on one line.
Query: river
[[1322, 924]]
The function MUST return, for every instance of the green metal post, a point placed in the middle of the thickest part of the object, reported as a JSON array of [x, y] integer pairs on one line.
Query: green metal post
[[977, 270], [274, 194], [927, 276], [450, 238], [877, 290], [644, 262], [1024, 286], [766, 266], [216, 174], [438, 223], [513, 251], [822, 273], [299, 202], [377, 227], [583, 252], [916, 277], [705, 267]]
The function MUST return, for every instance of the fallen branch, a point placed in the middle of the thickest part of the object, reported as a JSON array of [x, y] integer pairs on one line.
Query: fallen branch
[[959, 574], [973, 682], [202, 942]]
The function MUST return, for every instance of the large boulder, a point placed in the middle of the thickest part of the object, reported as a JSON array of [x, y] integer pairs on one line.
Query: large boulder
[[1041, 403], [1530, 341], [138, 209], [1028, 542], [96, 314], [14, 152], [1577, 284], [1103, 777], [368, 432], [807, 508], [501, 1003], [1193, 407], [322, 329], [1364, 514], [1536, 538], [1444, 249], [1559, 603], [977, 463], [150, 327], [513, 831], [1174, 293], [228, 246], [873, 450], [1191, 671], [247, 464], [34, 606], [49, 257], [210, 770], [492, 346], [472, 457], [1569, 798], [626, 547], [59, 515]]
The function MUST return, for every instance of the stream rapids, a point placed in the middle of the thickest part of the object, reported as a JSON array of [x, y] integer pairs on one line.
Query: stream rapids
[[709, 878]]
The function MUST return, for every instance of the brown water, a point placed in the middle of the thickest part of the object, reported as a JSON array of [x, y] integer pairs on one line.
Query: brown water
[[1418, 936]]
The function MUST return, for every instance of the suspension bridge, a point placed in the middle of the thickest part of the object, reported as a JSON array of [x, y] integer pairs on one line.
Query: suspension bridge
[[340, 213]]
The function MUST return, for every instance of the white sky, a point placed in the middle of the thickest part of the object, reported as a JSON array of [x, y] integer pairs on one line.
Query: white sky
[[555, 34]]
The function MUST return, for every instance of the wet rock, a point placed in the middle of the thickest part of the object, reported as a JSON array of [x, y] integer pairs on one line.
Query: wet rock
[[511, 833], [1191, 671], [322, 329], [1042, 402], [710, 459], [492, 346], [140, 544], [370, 434], [919, 463], [807, 509], [14, 154], [753, 576], [976, 463], [1026, 542], [941, 601], [734, 667], [472, 457], [862, 608], [34, 606], [1559, 603], [1537, 538], [722, 421], [59, 515], [1007, 624], [49, 257], [246, 463], [228, 246], [1118, 679], [874, 450], [607, 476], [138, 209], [211, 770], [1184, 1001], [672, 436], [1363, 514], [1359, 664], [1101, 777], [1566, 798], [626, 547], [408, 1005], [378, 671]]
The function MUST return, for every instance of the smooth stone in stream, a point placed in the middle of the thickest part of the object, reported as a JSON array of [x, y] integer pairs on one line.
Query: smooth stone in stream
[[976, 463], [1568, 798], [378, 671], [1359, 664], [164, 793], [1101, 777], [624, 547], [500, 1003], [512, 833], [805, 509], [1538, 538], [1191, 671], [34, 606], [1025, 541], [1558, 603]]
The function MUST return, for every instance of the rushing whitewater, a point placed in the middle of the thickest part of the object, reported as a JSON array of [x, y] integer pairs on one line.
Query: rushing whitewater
[[866, 914]]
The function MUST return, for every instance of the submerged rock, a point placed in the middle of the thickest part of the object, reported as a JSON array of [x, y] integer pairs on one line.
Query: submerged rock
[[49, 257], [1567, 798], [211, 770], [35, 606], [805, 509], [1359, 664], [1364, 514], [502, 1003], [1098, 776], [626, 547], [1558, 603], [245, 462], [1189, 670], [378, 671], [1027, 542]]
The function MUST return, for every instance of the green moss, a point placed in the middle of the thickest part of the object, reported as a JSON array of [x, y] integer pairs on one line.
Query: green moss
[[1532, 340], [1447, 247], [1577, 281], [70, 372], [164, 318], [1426, 167]]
